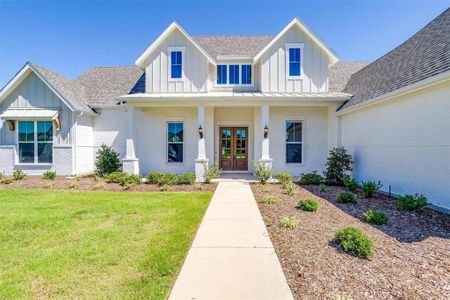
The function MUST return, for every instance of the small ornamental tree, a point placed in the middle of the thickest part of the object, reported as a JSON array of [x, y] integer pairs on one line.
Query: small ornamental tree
[[338, 163], [107, 161]]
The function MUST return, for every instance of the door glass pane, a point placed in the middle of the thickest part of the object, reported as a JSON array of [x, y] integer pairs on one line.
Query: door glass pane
[[26, 152], [45, 152], [294, 153], [44, 131], [226, 143], [26, 131]]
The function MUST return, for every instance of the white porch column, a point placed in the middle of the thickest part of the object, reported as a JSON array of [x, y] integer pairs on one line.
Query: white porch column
[[201, 159], [265, 151], [130, 162]]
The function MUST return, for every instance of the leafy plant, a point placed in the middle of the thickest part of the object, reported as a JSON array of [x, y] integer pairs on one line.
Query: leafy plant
[[323, 188], [308, 204], [73, 185], [262, 171], [48, 185], [410, 202], [117, 177], [375, 217], [168, 178], [310, 178], [211, 172], [289, 188], [350, 183], [284, 177], [133, 179], [49, 175], [185, 178], [19, 174], [99, 186], [354, 241], [370, 187], [269, 199], [338, 163], [107, 161], [289, 223], [346, 197], [96, 178], [6, 181], [154, 177], [164, 188]]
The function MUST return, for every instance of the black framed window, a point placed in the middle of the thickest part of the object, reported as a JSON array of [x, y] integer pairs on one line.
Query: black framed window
[[175, 141], [294, 141]]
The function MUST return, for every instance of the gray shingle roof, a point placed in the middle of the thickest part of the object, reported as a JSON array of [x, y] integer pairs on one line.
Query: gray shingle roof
[[424, 55], [104, 84], [340, 73], [247, 45]]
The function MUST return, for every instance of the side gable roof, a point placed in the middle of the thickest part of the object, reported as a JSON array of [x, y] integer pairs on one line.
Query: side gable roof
[[424, 55], [332, 57], [140, 62]]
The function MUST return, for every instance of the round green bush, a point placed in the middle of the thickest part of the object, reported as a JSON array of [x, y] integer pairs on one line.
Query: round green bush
[[308, 204], [375, 217], [354, 241], [154, 177], [311, 178], [346, 197], [185, 178], [116, 177]]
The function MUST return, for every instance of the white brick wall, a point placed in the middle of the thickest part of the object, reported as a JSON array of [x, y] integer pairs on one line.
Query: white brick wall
[[62, 160], [84, 145], [6, 159]]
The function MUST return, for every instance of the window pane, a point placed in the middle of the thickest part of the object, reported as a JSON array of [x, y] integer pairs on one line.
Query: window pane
[[175, 132], [294, 69], [221, 74], [26, 131], [175, 153], [298, 132], [246, 74], [45, 152], [289, 132], [176, 71], [294, 61], [26, 153], [176, 64], [45, 131], [234, 74], [293, 153], [293, 131]]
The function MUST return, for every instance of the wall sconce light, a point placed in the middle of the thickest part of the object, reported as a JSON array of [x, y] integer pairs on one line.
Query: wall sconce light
[[200, 131], [266, 132]]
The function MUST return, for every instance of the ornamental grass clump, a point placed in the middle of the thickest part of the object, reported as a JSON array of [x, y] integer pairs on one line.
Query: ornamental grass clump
[[354, 241], [289, 189], [346, 197], [410, 202], [49, 175], [284, 178], [19, 174], [375, 217], [308, 204], [289, 223], [269, 199], [370, 187]]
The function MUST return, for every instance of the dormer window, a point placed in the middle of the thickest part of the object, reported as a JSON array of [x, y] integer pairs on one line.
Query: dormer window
[[176, 63], [294, 55], [234, 74]]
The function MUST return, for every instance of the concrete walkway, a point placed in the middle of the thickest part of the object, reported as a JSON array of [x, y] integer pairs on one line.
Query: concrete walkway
[[232, 256]]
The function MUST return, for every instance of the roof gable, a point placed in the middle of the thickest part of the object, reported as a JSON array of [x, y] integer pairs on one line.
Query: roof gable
[[141, 61], [296, 22], [233, 45]]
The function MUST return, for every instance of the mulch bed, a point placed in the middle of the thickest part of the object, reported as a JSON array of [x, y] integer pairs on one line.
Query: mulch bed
[[89, 184], [412, 252]]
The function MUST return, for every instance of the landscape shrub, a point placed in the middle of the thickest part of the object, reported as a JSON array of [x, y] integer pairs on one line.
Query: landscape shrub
[[96, 178], [338, 163], [73, 185], [6, 181], [262, 171], [346, 197], [350, 183], [269, 199], [323, 188], [168, 178], [154, 177], [133, 179], [289, 223], [164, 187], [289, 188], [18, 174], [99, 186], [49, 175], [116, 177], [47, 185], [354, 241], [308, 204], [410, 202], [284, 177], [310, 178], [185, 178], [211, 172], [375, 217], [107, 161], [370, 187]]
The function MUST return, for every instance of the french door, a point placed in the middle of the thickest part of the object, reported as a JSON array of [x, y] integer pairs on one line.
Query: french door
[[233, 148]]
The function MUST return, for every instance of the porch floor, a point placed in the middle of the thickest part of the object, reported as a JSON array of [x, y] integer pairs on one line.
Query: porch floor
[[236, 176]]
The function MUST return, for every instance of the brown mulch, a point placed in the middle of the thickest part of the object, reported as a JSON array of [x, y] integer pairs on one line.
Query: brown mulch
[[412, 252], [89, 184]]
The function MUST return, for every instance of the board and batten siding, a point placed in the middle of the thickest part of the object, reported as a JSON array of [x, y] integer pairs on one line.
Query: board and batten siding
[[34, 93], [195, 68], [314, 65]]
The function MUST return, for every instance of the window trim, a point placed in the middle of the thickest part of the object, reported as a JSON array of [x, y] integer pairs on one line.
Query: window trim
[[240, 64], [290, 46], [295, 120], [167, 141], [35, 142], [169, 62]]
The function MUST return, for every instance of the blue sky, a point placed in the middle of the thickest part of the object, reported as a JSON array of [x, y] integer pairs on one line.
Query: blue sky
[[71, 36]]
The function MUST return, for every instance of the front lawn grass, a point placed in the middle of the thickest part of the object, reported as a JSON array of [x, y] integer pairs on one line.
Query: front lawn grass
[[91, 245]]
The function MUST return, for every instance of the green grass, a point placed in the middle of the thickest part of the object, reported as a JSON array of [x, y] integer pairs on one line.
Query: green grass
[[94, 245]]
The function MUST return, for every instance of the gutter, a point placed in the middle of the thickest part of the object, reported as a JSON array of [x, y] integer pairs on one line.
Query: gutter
[[425, 83]]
